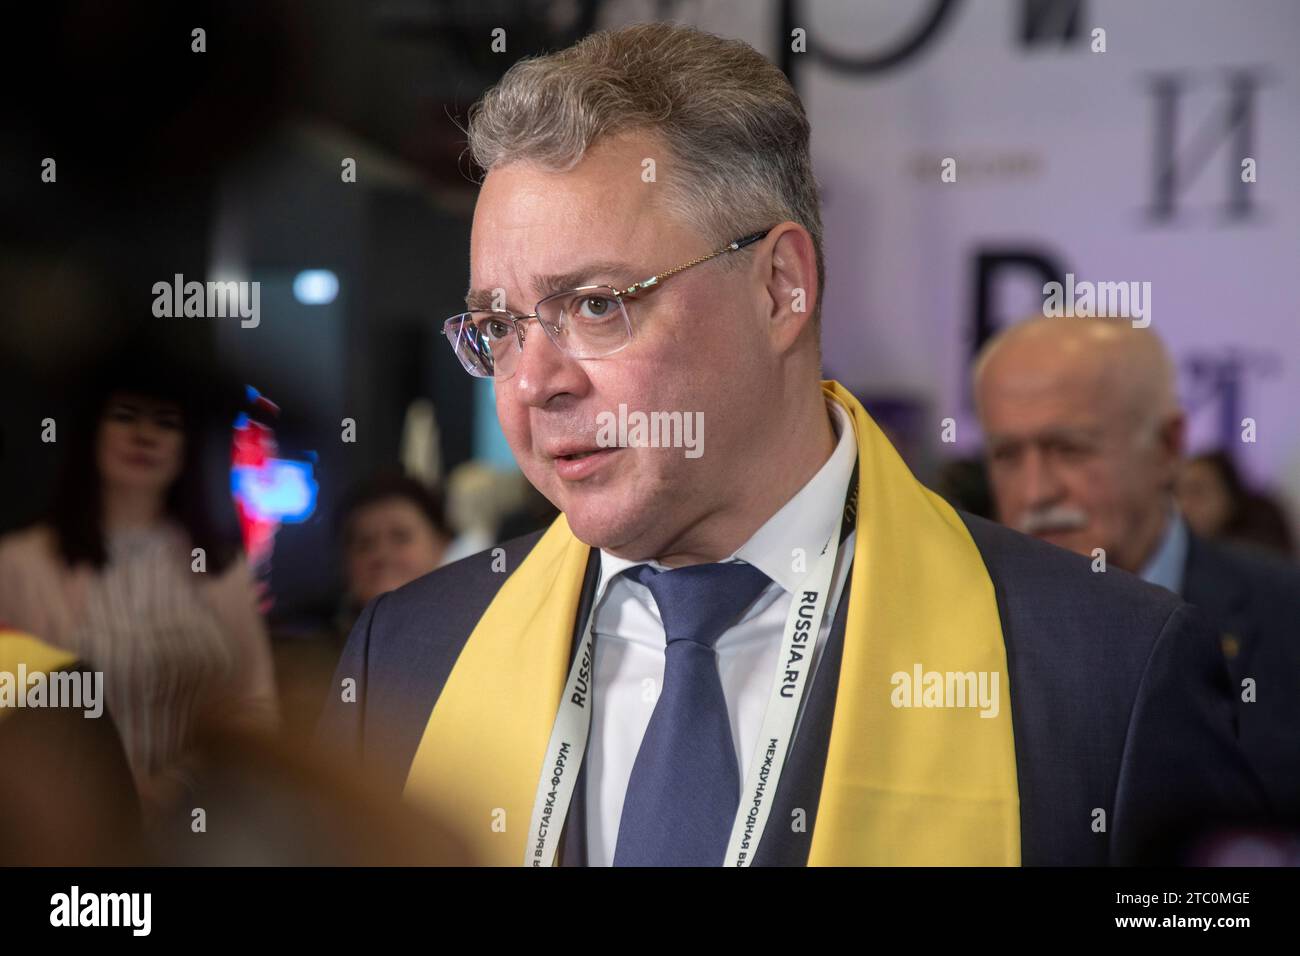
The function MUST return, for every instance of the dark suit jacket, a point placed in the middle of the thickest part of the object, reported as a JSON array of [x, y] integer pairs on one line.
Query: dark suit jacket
[[1254, 601], [1119, 699]]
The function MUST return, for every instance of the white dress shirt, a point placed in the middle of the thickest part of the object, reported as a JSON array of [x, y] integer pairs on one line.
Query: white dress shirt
[[629, 640]]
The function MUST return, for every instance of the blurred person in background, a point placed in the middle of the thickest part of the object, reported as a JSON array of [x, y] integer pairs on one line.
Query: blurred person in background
[[964, 484], [390, 530], [479, 498], [533, 514], [111, 574], [1216, 504], [393, 530], [1084, 438]]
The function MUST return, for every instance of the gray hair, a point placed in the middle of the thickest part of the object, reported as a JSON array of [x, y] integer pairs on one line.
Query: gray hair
[[730, 120]]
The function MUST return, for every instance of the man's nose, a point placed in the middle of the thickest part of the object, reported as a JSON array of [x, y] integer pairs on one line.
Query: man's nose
[[1040, 484], [543, 370]]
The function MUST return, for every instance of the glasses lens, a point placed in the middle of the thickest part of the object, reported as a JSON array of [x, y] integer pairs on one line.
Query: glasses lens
[[483, 341], [586, 323]]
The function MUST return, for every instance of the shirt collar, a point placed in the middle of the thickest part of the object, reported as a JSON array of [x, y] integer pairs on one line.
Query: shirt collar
[[807, 521], [1166, 566]]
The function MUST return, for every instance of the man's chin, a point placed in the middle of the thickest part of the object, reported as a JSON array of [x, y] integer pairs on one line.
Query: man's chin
[[600, 527]]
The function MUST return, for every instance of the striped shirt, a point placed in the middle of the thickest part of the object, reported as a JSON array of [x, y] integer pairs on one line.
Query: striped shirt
[[178, 649]]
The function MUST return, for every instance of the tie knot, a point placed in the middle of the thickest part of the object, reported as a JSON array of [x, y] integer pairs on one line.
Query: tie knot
[[697, 603]]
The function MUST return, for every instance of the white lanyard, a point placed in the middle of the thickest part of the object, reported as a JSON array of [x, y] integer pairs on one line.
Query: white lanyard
[[568, 741], [792, 666]]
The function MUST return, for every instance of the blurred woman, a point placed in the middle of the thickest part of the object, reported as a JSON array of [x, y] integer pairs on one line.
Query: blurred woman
[[139, 573], [1217, 504]]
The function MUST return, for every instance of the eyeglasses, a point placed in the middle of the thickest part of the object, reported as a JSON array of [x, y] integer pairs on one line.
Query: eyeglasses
[[584, 323]]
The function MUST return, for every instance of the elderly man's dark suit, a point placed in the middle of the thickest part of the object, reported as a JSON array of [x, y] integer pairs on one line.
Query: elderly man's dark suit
[[1253, 599]]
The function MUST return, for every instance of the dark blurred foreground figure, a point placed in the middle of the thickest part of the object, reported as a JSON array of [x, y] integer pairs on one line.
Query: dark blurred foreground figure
[[1084, 439], [620, 664], [255, 801], [138, 570], [66, 793], [67, 796], [1217, 505]]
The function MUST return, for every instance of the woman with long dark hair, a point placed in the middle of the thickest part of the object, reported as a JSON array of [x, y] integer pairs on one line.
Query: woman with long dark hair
[[1217, 504], [138, 570]]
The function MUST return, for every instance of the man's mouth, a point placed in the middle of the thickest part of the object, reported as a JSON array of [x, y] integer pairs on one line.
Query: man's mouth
[[581, 463]]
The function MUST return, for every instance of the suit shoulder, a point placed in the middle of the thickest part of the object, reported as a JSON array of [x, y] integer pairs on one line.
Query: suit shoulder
[[472, 577], [1045, 589], [401, 651], [456, 594], [1025, 564]]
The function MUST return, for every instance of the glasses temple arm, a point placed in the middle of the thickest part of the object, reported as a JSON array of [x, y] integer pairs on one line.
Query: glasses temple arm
[[655, 280]]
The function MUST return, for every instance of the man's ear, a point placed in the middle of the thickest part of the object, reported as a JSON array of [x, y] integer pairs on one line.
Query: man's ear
[[1176, 434], [790, 276], [1171, 439]]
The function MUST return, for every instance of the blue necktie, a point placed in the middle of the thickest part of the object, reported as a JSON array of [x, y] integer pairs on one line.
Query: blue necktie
[[685, 785]]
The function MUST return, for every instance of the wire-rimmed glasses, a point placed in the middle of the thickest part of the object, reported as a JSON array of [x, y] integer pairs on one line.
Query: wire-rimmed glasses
[[588, 322]]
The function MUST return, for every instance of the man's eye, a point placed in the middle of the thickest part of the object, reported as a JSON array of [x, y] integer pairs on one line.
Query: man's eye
[[593, 308], [1070, 451], [494, 329]]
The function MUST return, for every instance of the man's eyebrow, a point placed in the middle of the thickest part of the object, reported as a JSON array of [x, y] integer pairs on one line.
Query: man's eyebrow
[[479, 299], [543, 285], [1070, 433], [589, 274]]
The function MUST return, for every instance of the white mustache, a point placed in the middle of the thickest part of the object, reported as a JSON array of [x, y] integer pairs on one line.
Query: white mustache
[[1055, 518]]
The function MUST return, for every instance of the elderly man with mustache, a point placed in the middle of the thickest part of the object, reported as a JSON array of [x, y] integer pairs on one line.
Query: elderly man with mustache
[[1084, 439]]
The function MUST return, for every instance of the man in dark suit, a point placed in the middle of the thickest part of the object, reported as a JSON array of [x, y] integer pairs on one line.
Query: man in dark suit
[[1253, 599], [1084, 437], [779, 647]]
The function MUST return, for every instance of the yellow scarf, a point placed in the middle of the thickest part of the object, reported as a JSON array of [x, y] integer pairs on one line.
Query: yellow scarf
[[903, 785]]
